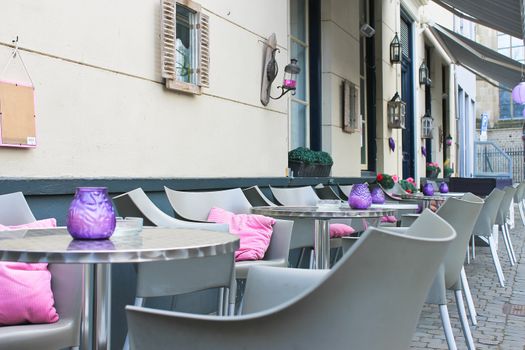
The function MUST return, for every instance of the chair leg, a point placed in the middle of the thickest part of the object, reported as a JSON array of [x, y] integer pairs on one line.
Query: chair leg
[[473, 247], [507, 231], [301, 257], [507, 247], [468, 297], [447, 327], [468, 253], [522, 212], [312, 260], [495, 259], [220, 306], [464, 321]]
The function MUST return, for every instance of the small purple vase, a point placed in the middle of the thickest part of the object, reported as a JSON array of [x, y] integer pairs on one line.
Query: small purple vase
[[378, 197], [91, 214], [360, 197], [443, 188], [428, 189]]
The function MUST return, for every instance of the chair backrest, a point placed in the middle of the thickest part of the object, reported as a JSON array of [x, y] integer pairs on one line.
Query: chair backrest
[[504, 207], [489, 211], [197, 205], [367, 301], [295, 195], [520, 192], [136, 203], [256, 197], [345, 190], [462, 215], [14, 209], [326, 192]]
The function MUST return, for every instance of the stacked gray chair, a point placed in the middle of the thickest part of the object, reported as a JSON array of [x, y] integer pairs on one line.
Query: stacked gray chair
[[66, 284], [326, 192], [171, 278], [367, 301], [345, 190], [519, 196], [195, 206], [501, 221], [484, 227]]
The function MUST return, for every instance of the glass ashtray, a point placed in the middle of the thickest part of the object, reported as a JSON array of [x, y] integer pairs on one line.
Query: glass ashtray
[[128, 226], [329, 204]]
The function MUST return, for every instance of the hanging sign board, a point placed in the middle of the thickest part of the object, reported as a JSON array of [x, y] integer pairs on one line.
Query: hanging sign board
[[17, 115], [484, 126]]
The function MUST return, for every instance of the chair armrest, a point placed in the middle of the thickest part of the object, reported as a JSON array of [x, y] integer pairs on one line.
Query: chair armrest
[[267, 287]]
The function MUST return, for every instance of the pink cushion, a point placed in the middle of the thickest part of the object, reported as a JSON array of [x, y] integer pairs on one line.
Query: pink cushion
[[254, 231], [25, 289], [340, 230], [389, 218]]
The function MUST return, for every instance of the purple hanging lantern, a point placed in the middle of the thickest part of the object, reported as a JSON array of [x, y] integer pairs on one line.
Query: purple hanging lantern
[[91, 214], [391, 144], [424, 151], [518, 93]]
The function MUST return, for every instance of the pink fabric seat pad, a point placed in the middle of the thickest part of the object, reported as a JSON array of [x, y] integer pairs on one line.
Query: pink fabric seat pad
[[340, 230], [254, 231], [25, 289]]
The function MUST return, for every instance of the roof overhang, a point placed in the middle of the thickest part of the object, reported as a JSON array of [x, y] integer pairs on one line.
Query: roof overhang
[[479, 59], [506, 16]]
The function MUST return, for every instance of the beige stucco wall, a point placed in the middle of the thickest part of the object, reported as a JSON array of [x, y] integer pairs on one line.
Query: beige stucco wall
[[102, 110], [340, 61]]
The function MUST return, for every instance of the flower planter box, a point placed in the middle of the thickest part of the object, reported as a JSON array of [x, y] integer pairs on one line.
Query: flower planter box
[[300, 169]]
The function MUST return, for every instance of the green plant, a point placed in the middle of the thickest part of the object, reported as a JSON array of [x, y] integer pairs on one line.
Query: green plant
[[408, 186], [307, 156], [433, 167], [386, 181]]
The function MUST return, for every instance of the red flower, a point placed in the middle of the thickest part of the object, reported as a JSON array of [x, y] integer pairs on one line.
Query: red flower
[[408, 190], [379, 177]]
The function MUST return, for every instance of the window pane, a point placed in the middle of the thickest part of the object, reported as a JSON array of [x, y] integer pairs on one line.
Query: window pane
[[298, 133], [364, 159], [504, 104], [297, 21], [517, 53], [505, 52], [299, 53], [517, 112], [503, 41], [183, 45], [516, 42]]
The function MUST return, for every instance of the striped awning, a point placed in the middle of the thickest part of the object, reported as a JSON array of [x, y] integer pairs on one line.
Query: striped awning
[[478, 58], [503, 15]]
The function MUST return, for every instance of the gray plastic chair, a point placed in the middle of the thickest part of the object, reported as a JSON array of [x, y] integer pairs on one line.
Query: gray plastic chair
[[196, 206], [462, 215], [367, 301], [326, 192], [345, 190], [519, 196], [501, 221], [14, 209], [66, 284], [484, 227], [256, 197], [171, 278]]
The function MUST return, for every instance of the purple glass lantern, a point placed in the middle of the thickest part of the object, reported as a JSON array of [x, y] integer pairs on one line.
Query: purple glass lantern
[[428, 189], [378, 197], [448, 140], [360, 197], [290, 75], [91, 214], [518, 93], [443, 188]]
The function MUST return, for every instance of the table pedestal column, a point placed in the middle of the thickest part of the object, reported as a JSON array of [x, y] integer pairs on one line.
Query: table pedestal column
[[96, 319], [322, 244]]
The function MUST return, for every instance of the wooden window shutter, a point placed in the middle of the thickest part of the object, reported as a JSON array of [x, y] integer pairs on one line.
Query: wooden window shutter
[[204, 50], [168, 15]]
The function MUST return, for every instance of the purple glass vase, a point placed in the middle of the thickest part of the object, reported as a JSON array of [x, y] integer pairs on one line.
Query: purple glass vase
[[91, 214], [378, 197], [360, 197], [443, 188], [428, 189]]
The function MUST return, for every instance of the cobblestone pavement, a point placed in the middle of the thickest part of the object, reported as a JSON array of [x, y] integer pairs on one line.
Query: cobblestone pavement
[[496, 328]]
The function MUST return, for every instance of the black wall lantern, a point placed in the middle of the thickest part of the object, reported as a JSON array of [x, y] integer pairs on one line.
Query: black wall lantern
[[395, 50], [396, 110], [424, 74], [427, 126]]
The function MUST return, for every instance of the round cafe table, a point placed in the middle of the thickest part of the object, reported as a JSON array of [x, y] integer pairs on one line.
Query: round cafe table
[[55, 246], [322, 216]]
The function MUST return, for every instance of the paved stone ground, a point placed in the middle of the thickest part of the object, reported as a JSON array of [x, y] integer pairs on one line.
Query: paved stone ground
[[496, 329]]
